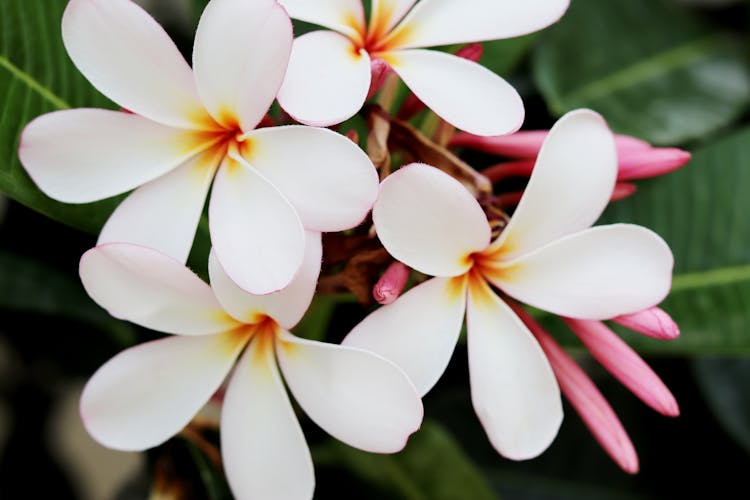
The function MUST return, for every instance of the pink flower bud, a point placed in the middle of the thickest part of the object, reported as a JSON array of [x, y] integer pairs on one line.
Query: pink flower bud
[[626, 366], [380, 70], [637, 159], [525, 144], [391, 284], [652, 162], [472, 52], [585, 398], [519, 168], [623, 190], [653, 322]]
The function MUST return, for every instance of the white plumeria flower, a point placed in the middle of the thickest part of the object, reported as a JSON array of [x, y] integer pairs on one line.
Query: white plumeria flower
[[148, 393], [190, 127], [329, 73], [547, 257]]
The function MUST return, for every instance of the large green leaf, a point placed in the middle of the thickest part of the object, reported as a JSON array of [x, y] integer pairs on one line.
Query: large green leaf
[[725, 384], [36, 77], [649, 67], [702, 211], [432, 467], [30, 287]]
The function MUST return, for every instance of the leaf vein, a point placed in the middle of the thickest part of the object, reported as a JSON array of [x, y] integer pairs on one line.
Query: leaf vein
[[32, 83]]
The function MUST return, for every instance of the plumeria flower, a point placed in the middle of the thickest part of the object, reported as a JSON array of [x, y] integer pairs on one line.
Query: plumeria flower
[[191, 127], [547, 256], [148, 393], [330, 72]]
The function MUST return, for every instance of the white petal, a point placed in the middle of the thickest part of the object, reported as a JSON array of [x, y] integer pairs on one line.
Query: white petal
[[148, 393], [83, 155], [429, 221], [286, 306], [386, 14], [265, 454], [327, 81], [240, 57], [569, 188], [513, 388], [598, 273], [330, 181], [445, 22], [257, 235], [461, 92], [344, 16], [125, 54], [418, 331], [148, 288], [356, 396], [164, 213]]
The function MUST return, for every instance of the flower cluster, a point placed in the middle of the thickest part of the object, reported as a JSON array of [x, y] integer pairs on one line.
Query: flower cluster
[[276, 186]]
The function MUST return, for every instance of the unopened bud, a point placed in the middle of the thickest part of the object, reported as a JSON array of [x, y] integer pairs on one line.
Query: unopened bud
[[653, 322], [380, 70], [652, 162], [391, 284], [585, 398], [623, 190], [625, 365]]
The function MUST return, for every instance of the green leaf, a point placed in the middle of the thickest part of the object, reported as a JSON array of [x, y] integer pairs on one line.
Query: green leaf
[[213, 479], [36, 77], [648, 66], [725, 388], [701, 212], [30, 287], [314, 325], [502, 56], [196, 8], [432, 467]]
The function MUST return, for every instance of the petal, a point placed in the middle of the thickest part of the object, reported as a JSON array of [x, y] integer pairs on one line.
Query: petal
[[146, 287], [461, 92], [164, 213], [598, 273], [356, 396], [286, 306], [327, 81], [344, 16], [83, 155], [240, 56], [128, 57], [265, 454], [257, 235], [429, 221], [445, 22], [418, 331], [385, 15], [570, 185], [328, 179], [148, 393], [513, 388]]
